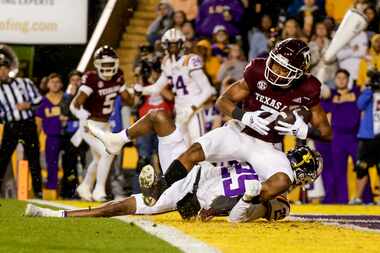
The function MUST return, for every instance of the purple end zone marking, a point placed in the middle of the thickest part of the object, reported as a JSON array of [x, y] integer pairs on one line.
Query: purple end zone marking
[[364, 221]]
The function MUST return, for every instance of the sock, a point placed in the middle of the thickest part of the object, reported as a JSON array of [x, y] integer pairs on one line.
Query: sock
[[53, 213], [175, 172], [103, 169]]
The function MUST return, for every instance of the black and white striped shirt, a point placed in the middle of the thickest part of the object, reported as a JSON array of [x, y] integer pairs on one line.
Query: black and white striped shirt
[[15, 91]]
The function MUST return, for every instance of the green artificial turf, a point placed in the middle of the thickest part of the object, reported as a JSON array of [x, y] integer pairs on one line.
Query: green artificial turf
[[25, 234]]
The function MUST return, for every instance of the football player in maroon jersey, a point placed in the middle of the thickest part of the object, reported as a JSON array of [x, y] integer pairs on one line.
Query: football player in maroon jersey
[[94, 104]]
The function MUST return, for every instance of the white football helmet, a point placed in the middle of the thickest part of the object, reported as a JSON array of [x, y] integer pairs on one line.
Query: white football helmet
[[172, 40]]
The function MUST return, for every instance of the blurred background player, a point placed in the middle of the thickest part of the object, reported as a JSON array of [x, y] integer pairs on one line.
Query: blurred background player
[[95, 102], [189, 84]]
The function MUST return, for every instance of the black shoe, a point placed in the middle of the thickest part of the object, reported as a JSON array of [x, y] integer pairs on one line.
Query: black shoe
[[152, 185]]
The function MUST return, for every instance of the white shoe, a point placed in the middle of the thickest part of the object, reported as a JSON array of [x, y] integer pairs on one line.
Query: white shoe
[[355, 201], [84, 192], [35, 211], [99, 195], [111, 141]]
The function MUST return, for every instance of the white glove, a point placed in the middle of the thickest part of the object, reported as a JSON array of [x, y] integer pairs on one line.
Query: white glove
[[138, 88], [182, 115], [254, 121], [252, 189], [298, 129]]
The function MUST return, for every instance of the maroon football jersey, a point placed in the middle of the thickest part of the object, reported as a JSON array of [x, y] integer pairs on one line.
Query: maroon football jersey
[[267, 97], [101, 99]]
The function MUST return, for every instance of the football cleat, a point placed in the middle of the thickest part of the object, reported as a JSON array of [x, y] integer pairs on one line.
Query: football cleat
[[112, 142], [84, 192], [152, 185], [99, 195], [35, 211]]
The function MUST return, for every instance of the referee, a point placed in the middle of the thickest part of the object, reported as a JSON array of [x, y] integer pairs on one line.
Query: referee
[[18, 97]]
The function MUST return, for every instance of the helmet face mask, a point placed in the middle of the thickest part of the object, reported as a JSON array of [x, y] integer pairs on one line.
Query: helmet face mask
[[287, 62], [172, 41], [275, 76], [306, 164], [106, 62]]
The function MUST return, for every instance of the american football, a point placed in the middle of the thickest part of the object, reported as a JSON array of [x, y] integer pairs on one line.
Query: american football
[[175, 126], [288, 115]]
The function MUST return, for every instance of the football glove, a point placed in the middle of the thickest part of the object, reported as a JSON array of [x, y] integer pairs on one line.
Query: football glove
[[254, 121], [252, 189], [299, 128]]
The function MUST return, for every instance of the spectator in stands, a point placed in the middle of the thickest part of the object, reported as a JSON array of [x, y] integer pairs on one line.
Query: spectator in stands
[[308, 15], [211, 63], [369, 138], [345, 119], [18, 99], [179, 18], [373, 21], [291, 29], [219, 47], [219, 12], [294, 7], [350, 55], [234, 66], [162, 23], [337, 9], [73, 158], [189, 7], [50, 119], [258, 38], [330, 25], [370, 62], [318, 46], [189, 31]]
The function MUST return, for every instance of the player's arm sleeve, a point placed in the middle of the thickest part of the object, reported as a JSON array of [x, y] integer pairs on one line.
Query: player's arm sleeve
[[244, 211], [157, 86], [203, 83]]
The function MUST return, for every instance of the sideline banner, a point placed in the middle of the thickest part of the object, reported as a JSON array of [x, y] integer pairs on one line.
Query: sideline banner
[[43, 21]]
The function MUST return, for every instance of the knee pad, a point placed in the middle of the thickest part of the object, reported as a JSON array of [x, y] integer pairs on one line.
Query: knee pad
[[277, 208], [361, 169]]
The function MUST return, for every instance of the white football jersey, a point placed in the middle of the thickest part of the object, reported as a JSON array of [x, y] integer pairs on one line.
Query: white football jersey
[[226, 181], [178, 72]]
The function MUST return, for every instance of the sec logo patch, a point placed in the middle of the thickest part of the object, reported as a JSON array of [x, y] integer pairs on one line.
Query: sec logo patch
[[262, 85]]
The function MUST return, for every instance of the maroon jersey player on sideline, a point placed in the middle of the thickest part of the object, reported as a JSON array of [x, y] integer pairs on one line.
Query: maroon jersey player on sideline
[[269, 86], [94, 103]]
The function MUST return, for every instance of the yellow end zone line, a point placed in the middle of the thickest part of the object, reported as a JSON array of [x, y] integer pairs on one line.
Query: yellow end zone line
[[268, 237], [167, 233]]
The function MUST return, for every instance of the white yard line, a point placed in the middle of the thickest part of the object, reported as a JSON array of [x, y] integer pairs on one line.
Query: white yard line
[[169, 234]]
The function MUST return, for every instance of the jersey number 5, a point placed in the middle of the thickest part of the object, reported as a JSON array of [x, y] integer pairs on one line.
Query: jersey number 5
[[109, 103]]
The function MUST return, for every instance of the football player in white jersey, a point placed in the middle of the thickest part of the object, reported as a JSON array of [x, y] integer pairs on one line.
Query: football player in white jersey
[[206, 190], [190, 85]]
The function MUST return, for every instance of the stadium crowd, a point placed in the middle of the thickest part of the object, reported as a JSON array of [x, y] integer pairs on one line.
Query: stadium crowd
[[227, 34]]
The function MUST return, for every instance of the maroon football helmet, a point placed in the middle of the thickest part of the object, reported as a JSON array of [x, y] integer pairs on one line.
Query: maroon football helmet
[[106, 62], [291, 58]]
